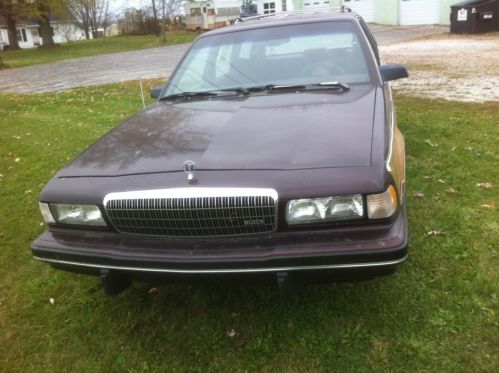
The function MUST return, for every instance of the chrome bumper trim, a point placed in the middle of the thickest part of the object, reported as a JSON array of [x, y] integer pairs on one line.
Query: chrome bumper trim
[[227, 270]]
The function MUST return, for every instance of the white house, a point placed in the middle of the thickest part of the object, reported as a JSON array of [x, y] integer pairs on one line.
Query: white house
[[210, 14], [392, 12], [28, 34]]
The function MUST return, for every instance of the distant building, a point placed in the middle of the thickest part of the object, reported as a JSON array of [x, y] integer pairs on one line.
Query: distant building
[[390, 12], [208, 15], [28, 34]]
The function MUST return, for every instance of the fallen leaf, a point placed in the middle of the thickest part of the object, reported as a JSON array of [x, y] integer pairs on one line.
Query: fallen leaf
[[436, 197], [432, 144], [450, 190], [51, 300], [484, 185], [29, 191], [441, 181], [434, 233], [486, 206], [418, 195], [17, 159], [231, 333], [427, 177]]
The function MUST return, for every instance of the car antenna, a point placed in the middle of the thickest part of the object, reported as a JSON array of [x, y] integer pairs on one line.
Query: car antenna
[[142, 94]]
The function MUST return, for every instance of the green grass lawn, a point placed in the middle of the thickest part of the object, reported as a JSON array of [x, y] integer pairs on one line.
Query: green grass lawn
[[437, 313], [85, 48]]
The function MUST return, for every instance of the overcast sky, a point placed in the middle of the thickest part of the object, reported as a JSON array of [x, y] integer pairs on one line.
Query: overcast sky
[[117, 6]]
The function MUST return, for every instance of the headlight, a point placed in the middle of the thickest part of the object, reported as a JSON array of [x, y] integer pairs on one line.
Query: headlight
[[63, 213], [382, 205], [317, 210]]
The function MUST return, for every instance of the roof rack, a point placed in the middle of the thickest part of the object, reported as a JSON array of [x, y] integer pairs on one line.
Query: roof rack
[[341, 9]]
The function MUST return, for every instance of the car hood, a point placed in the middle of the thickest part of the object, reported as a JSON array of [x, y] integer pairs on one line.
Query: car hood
[[282, 131]]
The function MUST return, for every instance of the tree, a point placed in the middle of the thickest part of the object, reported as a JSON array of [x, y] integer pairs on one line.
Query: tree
[[13, 11], [248, 7], [155, 16], [169, 9], [90, 14]]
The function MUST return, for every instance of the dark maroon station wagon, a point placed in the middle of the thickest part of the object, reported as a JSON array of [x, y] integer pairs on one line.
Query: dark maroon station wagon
[[272, 151]]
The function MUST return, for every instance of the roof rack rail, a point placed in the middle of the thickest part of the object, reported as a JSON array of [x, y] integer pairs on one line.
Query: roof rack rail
[[340, 9]]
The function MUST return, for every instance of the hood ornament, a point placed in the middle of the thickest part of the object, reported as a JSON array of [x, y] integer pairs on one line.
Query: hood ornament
[[189, 169]]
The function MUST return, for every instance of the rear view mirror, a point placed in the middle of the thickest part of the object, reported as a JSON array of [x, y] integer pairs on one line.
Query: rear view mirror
[[393, 71], [156, 91]]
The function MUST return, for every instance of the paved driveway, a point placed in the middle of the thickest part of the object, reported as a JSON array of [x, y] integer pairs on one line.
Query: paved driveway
[[142, 64]]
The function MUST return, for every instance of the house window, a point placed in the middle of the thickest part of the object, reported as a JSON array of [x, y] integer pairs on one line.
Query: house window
[[21, 35], [284, 6], [268, 8]]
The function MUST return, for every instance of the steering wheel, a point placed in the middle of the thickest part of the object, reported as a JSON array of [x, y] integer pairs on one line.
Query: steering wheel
[[322, 69]]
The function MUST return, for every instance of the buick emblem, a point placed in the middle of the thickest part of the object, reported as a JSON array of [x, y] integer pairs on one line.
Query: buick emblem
[[189, 169]]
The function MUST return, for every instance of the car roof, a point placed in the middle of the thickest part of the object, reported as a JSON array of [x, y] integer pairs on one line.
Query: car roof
[[287, 18]]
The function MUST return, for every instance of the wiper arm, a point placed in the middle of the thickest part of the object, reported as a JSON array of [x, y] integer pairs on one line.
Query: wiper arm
[[341, 85], [188, 95]]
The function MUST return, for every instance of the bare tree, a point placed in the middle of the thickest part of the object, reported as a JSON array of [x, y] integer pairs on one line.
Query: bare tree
[[169, 9], [155, 16], [90, 14]]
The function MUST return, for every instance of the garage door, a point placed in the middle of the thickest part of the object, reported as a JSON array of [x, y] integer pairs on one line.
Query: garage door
[[419, 12], [307, 4], [364, 8]]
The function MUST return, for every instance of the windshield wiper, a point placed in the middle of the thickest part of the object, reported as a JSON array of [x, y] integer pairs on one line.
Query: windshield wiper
[[283, 87], [259, 88], [188, 95]]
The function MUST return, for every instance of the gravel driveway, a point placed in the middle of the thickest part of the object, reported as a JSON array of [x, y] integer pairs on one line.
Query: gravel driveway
[[451, 67]]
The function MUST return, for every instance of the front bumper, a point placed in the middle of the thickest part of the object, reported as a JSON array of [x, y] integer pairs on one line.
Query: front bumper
[[374, 248]]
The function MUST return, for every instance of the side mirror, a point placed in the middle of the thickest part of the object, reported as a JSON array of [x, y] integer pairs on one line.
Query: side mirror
[[156, 91], [393, 71]]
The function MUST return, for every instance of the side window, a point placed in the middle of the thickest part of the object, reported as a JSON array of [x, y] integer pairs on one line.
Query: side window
[[371, 39]]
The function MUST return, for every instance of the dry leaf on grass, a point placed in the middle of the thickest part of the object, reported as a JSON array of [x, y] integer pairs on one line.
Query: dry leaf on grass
[[450, 190], [17, 159], [432, 144], [441, 181], [484, 185], [232, 333], [51, 300], [418, 195], [434, 233]]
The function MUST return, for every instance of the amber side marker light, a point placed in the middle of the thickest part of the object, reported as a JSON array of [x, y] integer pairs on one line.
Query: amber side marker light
[[382, 205]]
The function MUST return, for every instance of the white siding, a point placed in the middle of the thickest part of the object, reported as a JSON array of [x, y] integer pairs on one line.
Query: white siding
[[364, 8], [419, 12]]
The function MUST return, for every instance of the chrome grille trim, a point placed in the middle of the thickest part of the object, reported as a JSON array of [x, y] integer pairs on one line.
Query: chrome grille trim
[[193, 212]]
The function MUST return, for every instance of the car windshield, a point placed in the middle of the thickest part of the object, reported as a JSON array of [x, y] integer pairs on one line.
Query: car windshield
[[286, 55]]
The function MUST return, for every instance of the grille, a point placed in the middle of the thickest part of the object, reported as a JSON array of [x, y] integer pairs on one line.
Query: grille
[[193, 212]]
